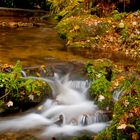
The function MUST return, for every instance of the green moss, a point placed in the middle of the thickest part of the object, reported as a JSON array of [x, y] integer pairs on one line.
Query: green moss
[[63, 7], [117, 15], [124, 34], [97, 68], [100, 86], [77, 32], [21, 93], [126, 120]]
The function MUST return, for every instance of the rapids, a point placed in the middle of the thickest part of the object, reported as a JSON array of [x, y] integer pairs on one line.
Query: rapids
[[68, 113]]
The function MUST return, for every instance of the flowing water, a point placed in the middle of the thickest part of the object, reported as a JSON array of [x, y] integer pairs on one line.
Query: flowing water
[[68, 113], [35, 46]]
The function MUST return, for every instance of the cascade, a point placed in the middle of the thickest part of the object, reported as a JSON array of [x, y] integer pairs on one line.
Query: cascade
[[68, 113]]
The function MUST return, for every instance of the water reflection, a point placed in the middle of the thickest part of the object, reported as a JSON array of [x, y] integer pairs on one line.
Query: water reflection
[[33, 46]]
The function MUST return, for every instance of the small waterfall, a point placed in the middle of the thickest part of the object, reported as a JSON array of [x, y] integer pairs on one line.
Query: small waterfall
[[101, 116], [79, 85], [117, 94], [84, 120], [23, 73], [69, 113]]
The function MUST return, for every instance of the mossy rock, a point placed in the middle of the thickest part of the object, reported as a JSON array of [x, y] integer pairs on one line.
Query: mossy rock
[[39, 71], [19, 94], [80, 33], [100, 72], [126, 121]]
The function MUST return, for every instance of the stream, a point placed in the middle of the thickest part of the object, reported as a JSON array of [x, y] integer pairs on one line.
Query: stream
[[33, 46], [69, 112]]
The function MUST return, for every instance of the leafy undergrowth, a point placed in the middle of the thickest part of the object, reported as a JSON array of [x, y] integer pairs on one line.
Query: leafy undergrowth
[[19, 94], [125, 109], [100, 73], [117, 33]]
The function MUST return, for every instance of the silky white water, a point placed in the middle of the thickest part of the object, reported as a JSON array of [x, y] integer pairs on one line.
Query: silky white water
[[117, 94], [68, 113]]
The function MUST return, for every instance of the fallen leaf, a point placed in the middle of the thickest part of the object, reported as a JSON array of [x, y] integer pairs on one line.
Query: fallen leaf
[[10, 103], [122, 126], [31, 97]]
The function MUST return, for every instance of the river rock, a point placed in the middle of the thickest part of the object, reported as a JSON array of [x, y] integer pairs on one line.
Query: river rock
[[12, 24], [3, 24], [21, 24]]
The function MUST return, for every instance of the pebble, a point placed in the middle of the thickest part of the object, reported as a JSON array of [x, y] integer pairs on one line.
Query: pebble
[[121, 25]]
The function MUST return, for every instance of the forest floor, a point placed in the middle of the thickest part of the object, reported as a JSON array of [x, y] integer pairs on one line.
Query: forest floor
[[115, 36]]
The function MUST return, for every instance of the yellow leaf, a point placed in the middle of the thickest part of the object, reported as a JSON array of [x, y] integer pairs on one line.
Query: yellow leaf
[[122, 126], [38, 74], [68, 43], [76, 27]]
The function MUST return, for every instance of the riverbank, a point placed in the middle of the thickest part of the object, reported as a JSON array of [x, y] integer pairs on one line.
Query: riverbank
[[15, 17], [107, 37], [116, 37]]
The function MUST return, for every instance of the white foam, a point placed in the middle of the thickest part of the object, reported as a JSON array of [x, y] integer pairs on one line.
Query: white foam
[[69, 100]]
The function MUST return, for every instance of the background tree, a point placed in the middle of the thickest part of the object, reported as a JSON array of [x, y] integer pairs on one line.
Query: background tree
[[103, 7], [26, 4]]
